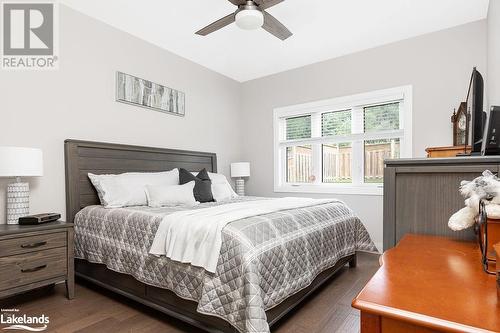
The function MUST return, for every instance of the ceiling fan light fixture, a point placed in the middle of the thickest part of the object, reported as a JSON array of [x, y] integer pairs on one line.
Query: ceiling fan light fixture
[[249, 19], [250, 15]]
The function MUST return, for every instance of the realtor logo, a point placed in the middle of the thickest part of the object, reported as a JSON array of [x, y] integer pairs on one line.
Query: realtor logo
[[22, 322], [29, 36]]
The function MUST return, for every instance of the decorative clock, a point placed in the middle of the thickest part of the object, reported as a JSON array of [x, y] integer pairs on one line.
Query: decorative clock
[[460, 126]]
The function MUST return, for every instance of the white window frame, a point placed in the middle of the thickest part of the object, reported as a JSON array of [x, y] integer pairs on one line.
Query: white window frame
[[356, 103]]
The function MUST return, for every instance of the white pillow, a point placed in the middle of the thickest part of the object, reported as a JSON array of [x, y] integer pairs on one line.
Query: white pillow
[[221, 189], [127, 189], [174, 195]]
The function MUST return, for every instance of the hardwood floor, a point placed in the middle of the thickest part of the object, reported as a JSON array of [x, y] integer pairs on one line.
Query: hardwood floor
[[97, 310]]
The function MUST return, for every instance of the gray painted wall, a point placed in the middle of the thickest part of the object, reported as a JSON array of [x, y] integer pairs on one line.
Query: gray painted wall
[[493, 78], [41, 109], [437, 65]]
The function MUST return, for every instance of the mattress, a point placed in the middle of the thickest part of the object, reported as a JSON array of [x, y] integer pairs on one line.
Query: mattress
[[263, 260]]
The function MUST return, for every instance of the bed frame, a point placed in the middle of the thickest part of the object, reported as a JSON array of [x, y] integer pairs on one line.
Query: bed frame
[[82, 157]]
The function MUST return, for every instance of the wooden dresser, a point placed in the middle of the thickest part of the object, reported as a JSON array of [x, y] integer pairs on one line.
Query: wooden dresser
[[420, 195], [36, 256], [430, 284]]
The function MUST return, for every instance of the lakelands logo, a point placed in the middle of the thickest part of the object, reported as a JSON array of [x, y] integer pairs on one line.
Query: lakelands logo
[[16, 321], [29, 36]]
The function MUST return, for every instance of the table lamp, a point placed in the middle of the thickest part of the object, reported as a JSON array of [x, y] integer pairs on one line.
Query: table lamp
[[17, 162], [240, 170]]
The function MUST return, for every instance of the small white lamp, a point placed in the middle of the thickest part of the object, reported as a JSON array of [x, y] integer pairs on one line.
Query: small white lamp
[[19, 162], [240, 170]]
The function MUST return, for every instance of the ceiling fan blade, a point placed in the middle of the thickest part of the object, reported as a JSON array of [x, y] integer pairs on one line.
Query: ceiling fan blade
[[219, 24], [238, 2], [275, 27], [265, 4]]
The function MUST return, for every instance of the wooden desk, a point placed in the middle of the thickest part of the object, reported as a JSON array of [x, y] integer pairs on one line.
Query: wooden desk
[[430, 284]]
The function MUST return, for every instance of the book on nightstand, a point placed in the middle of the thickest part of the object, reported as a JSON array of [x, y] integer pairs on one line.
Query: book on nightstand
[[39, 218]]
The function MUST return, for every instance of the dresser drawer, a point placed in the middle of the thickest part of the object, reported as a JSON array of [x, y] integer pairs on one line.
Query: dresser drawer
[[27, 244], [22, 269]]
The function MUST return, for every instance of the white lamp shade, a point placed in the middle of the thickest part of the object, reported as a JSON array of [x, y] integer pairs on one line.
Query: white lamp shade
[[21, 162], [240, 169]]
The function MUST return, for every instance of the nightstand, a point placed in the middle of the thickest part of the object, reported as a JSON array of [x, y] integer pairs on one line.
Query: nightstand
[[33, 256]]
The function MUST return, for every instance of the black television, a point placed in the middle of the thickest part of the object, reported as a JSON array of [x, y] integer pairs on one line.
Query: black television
[[475, 112]]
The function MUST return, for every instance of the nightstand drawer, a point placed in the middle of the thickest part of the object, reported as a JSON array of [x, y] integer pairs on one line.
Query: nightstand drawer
[[27, 268], [27, 244]]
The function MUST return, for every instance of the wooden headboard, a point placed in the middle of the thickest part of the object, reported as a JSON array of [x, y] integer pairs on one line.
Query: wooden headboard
[[82, 157]]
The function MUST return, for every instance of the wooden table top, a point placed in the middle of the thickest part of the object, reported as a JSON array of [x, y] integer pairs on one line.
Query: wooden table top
[[9, 229], [434, 282]]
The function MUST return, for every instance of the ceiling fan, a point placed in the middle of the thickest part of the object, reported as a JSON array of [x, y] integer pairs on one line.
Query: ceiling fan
[[251, 15]]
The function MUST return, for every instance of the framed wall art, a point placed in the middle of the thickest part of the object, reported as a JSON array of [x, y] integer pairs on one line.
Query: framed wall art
[[136, 91]]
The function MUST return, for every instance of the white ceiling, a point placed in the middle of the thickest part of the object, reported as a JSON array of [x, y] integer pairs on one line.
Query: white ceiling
[[323, 29]]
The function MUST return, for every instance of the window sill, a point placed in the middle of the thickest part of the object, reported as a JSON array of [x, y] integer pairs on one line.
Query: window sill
[[376, 190]]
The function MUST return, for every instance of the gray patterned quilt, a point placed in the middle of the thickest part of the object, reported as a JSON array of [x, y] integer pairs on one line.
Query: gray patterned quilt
[[263, 259]]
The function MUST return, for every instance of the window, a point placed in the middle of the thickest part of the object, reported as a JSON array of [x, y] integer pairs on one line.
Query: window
[[299, 161], [339, 145], [298, 127]]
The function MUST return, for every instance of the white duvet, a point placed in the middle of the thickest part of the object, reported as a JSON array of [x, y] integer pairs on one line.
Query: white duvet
[[195, 236]]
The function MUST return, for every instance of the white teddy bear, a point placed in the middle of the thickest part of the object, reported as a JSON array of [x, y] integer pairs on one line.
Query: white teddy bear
[[485, 187]]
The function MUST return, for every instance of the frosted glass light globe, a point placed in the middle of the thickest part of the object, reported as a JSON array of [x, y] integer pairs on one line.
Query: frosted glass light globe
[[249, 19]]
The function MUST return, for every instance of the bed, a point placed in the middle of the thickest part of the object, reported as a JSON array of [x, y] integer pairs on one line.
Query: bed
[[286, 255]]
